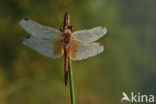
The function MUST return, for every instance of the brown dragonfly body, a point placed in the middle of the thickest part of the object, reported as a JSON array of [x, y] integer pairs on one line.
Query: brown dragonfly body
[[67, 35]]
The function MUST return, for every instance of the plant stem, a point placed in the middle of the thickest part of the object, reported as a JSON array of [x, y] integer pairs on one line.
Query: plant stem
[[72, 95]]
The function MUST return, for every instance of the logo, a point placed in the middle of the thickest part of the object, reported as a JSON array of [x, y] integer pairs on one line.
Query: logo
[[137, 97]]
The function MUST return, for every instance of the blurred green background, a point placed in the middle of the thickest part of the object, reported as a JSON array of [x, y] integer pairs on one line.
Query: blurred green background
[[128, 63]]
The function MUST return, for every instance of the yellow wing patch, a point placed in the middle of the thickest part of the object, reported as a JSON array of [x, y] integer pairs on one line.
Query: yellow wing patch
[[58, 48], [73, 48]]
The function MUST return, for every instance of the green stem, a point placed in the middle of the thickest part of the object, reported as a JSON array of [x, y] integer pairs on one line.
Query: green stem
[[71, 83]]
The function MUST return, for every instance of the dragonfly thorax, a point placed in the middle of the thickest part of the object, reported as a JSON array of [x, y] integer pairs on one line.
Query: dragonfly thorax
[[67, 36]]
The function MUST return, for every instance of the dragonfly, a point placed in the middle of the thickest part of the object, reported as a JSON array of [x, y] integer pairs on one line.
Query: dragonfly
[[53, 43]]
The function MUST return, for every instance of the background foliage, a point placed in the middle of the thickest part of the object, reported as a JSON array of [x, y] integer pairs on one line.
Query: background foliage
[[127, 64]]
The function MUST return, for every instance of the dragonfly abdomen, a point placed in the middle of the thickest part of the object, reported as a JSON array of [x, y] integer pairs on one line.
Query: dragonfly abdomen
[[66, 64]]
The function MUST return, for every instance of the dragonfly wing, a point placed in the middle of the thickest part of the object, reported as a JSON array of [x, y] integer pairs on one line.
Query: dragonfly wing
[[45, 47], [38, 30], [84, 51], [90, 35]]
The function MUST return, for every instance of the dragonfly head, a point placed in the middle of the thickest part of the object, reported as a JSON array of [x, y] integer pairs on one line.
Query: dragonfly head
[[67, 24]]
